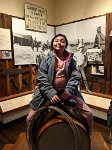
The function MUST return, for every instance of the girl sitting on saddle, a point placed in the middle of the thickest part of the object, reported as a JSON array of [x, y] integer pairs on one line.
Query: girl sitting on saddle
[[58, 72]]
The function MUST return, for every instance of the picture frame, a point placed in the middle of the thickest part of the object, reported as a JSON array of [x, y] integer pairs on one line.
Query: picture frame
[[94, 56], [35, 18], [97, 70], [29, 46], [5, 54]]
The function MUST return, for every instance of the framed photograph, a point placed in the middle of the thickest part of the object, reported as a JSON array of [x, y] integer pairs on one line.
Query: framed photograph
[[35, 18], [5, 54], [30, 47], [87, 34], [94, 56], [97, 70]]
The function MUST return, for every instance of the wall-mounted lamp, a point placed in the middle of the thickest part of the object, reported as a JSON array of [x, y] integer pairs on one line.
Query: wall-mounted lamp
[[110, 33]]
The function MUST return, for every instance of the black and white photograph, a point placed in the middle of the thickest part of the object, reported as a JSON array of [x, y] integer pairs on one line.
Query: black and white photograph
[[30, 47], [94, 56], [97, 70], [84, 35]]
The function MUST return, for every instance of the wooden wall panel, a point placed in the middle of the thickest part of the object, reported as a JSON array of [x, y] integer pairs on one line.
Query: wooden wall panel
[[14, 80]]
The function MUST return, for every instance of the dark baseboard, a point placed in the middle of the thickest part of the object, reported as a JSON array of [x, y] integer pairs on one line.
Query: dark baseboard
[[99, 120]]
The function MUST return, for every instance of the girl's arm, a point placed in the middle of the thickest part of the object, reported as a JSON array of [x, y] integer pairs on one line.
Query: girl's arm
[[44, 84], [74, 79]]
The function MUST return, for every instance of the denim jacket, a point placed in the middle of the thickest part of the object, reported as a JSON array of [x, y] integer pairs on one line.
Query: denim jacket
[[45, 90]]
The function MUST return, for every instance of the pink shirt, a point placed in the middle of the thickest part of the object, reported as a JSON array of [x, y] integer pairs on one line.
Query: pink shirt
[[60, 80]]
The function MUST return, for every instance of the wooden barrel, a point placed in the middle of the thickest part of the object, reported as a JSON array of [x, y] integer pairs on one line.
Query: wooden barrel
[[58, 133]]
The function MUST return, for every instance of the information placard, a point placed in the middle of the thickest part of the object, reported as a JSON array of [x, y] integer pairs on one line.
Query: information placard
[[35, 18]]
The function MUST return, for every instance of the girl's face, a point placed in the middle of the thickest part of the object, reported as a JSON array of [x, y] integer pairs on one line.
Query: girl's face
[[59, 44]]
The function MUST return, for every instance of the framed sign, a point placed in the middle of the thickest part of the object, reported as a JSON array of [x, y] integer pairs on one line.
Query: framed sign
[[35, 18]]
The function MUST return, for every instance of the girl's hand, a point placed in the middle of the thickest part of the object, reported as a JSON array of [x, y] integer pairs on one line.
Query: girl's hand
[[64, 95], [55, 99]]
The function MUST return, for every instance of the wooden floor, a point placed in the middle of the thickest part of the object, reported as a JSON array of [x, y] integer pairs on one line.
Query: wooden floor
[[101, 126], [11, 131]]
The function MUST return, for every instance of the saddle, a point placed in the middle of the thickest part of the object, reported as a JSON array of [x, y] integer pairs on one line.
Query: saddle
[[71, 108]]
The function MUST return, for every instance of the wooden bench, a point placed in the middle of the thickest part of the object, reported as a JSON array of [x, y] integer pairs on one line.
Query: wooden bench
[[99, 103], [14, 108]]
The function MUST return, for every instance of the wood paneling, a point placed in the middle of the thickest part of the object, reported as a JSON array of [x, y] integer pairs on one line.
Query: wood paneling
[[14, 79]]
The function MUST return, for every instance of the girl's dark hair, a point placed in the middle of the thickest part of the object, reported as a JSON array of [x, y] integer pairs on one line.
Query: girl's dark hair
[[56, 37]]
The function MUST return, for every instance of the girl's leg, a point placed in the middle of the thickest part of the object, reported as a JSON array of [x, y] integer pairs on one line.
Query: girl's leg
[[29, 116], [86, 112]]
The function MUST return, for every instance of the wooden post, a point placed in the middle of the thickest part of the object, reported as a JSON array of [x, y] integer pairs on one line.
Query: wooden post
[[20, 79]]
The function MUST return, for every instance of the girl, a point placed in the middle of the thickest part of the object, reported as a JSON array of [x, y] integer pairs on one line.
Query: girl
[[58, 80]]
